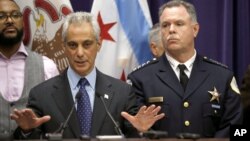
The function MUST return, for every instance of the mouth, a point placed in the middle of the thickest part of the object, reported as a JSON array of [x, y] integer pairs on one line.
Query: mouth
[[80, 62], [10, 29], [173, 40]]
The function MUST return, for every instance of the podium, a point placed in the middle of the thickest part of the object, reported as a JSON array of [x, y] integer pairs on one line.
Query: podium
[[142, 139]]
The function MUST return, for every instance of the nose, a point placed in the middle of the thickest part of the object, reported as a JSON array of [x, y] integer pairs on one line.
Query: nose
[[172, 28], [80, 51], [9, 19]]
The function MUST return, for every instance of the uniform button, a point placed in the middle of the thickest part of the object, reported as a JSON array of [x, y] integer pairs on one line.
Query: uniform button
[[187, 123], [185, 104], [215, 111]]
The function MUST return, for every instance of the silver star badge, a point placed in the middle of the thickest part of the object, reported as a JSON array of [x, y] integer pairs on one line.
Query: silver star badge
[[215, 95]]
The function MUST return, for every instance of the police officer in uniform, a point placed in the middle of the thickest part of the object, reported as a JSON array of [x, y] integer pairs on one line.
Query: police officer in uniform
[[199, 96]]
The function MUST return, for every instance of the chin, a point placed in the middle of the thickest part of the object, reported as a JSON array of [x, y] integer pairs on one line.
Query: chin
[[174, 48], [81, 71]]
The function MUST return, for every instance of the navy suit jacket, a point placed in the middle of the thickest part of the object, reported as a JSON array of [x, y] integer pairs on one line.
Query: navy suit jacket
[[54, 98], [190, 111]]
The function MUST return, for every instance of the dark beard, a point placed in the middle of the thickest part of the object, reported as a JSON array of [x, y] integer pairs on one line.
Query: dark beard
[[8, 42]]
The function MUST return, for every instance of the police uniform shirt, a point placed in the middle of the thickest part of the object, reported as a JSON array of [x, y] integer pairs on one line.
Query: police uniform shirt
[[174, 64]]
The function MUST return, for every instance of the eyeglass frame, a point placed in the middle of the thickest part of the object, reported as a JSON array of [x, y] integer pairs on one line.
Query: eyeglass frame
[[14, 15]]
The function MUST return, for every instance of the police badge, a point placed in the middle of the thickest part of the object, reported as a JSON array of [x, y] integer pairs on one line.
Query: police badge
[[215, 95]]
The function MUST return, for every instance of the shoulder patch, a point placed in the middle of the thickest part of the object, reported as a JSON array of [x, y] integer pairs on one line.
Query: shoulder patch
[[234, 86], [214, 62], [154, 60]]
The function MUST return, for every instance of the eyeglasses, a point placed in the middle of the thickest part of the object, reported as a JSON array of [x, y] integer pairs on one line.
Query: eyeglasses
[[13, 16]]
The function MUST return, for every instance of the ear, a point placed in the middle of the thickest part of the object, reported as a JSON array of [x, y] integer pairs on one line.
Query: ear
[[196, 28], [153, 48], [98, 45]]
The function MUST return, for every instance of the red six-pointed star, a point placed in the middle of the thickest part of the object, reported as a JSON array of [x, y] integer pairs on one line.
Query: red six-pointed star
[[105, 28]]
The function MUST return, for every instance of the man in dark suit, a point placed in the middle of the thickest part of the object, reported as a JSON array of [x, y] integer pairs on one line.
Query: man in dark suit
[[50, 103], [202, 97]]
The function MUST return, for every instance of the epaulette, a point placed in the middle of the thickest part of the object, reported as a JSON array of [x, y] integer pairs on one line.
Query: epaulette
[[214, 62], [154, 60]]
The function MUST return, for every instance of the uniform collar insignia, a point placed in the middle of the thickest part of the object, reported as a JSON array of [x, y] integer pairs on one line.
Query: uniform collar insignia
[[215, 95]]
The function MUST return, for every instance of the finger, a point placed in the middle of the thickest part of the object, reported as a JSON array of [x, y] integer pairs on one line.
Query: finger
[[18, 113], [39, 121], [13, 117], [43, 119], [142, 110], [153, 112], [30, 114], [150, 108], [156, 110], [127, 116], [160, 116]]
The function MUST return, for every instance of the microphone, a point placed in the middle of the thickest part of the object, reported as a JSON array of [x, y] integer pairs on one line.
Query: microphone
[[117, 127], [153, 134], [57, 135], [188, 136]]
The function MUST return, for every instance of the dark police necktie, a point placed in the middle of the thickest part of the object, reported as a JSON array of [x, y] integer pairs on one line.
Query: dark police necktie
[[84, 111], [183, 76]]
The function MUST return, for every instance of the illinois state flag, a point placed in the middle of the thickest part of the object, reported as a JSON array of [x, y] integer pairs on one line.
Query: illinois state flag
[[124, 34], [42, 21]]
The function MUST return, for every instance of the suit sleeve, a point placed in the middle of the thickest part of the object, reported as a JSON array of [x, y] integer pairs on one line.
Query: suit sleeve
[[132, 108], [137, 89], [33, 103]]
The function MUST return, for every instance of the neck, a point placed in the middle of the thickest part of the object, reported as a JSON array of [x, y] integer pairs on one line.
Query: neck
[[8, 51], [183, 56]]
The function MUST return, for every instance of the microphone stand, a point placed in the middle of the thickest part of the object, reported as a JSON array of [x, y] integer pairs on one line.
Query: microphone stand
[[117, 127], [57, 135]]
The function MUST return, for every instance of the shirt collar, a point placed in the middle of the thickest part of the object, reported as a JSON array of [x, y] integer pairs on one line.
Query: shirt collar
[[20, 52], [74, 78], [174, 63]]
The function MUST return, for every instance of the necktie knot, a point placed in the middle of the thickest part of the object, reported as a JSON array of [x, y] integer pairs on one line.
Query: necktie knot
[[83, 82], [182, 67]]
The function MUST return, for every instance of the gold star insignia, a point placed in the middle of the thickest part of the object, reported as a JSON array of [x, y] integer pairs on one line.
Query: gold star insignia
[[215, 95]]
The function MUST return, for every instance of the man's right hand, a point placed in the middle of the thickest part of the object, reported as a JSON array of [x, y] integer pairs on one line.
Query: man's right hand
[[145, 118], [27, 119]]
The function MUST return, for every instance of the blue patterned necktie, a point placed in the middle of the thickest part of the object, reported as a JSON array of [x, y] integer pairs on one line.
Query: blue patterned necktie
[[84, 111]]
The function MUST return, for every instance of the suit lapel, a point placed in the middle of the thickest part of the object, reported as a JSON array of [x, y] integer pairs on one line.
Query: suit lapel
[[167, 75], [63, 99], [198, 75], [103, 87]]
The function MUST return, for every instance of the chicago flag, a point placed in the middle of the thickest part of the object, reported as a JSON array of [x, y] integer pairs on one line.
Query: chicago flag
[[124, 34]]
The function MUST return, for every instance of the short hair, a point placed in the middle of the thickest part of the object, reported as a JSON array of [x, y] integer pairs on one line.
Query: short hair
[[154, 33], [176, 3], [78, 18]]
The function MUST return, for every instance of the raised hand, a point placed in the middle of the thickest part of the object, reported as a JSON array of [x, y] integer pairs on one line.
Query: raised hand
[[27, 119], [145, 118]]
